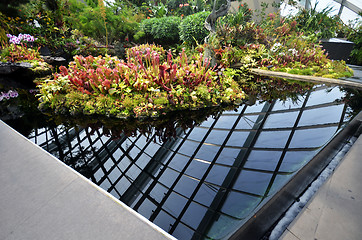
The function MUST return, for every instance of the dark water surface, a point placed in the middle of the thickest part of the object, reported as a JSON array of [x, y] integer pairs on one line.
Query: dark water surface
[[213, 174]]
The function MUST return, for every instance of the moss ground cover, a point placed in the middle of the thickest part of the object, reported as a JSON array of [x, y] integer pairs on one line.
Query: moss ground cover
[[148, 84]]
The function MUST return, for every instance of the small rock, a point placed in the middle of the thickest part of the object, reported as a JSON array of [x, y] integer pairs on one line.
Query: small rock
[[50, 59], [8, 68]]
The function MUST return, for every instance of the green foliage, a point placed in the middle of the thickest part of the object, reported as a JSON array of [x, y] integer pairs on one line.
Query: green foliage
[[102, 10], [4, 27], [122, 21], [192, 28], [160, 30], [180, 8], [276, 45], [52, 9], [139, 36], [59, 39], [297, 53], [242, 16], [18, 53], [184, 8], [146, 27], [152, 10], [21, 53], [311, 21], [137, 2], [92, 3], [42, 20], [82, 45], [356, 37], [167, 29], [238, 35], [11, 7]]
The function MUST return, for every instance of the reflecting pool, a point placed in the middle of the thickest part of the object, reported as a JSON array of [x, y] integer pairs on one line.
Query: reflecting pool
[[200, 178]]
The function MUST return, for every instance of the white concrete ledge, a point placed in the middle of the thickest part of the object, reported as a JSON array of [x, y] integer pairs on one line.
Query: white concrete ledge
[[42, 198], [335, 211]]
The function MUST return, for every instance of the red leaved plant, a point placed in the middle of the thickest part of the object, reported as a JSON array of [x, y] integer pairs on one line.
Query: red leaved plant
[[107, 75]]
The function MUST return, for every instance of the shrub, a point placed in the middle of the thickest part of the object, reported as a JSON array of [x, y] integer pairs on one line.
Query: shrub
[[160, 30], [192, 30], [167, 29], [121, 22], [146, 26]]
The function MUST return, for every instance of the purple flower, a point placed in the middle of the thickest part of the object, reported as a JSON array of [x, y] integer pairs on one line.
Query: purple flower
[[13, 94], [33, 90], [21, 37], [6, 96]]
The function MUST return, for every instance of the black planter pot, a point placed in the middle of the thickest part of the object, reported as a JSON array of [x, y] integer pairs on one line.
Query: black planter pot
[[337, 49], [55, 57], [45, 51]]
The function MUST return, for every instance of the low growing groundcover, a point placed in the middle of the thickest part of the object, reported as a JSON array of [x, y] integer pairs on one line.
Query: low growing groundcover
[[151, 82]]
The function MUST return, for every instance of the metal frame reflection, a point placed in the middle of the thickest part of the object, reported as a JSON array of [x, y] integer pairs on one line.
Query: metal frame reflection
[[133, 168]]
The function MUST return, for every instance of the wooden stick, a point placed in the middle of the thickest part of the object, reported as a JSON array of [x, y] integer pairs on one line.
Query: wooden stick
[[297, 77]]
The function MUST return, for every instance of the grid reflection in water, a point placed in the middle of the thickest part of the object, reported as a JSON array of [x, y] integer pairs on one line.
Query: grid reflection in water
[[211, 177]]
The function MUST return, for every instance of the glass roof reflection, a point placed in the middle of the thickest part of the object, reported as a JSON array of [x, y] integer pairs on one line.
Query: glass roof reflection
[[208, 178]]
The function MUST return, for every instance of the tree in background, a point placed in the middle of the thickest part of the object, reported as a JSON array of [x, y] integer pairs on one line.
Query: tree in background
[[122, 19], [104, 17]]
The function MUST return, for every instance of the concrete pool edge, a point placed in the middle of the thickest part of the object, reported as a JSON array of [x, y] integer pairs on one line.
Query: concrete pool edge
[[42, 198], [334, 212], [263, 218]]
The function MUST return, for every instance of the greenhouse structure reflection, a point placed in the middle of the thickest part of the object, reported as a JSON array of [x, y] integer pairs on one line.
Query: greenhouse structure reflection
[[209, 178]]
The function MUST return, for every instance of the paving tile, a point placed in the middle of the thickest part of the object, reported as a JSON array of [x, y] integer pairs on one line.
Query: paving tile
[[41, 198], [80, 212], [289, 236], [29, 180]]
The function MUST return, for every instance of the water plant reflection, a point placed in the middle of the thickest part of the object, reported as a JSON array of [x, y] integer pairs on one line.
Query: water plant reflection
[[274, 88], [164, 128], [353, 100]]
